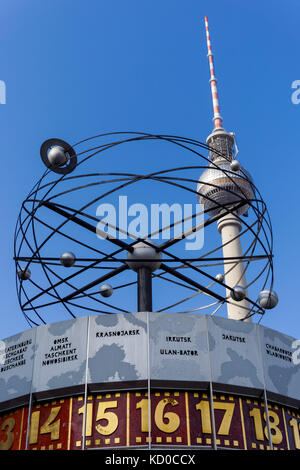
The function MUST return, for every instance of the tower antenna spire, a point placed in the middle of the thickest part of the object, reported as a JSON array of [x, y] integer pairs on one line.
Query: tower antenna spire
[[218, 124]]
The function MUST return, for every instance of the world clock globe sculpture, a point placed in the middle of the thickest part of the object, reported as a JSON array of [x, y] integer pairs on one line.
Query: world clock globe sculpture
[[144, 284], [68, 279]]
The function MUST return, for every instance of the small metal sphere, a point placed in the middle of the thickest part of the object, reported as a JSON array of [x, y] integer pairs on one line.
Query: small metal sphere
[[67, 259], [235, 165], [238, 293], [220, 277], [106, 290], [268, 299], [57, 156], [24, 274], [144, 256]]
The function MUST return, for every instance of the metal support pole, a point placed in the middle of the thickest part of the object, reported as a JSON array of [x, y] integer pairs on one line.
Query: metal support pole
[[144, 276]]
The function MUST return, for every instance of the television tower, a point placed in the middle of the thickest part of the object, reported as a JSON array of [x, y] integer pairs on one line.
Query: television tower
[[221, 186]]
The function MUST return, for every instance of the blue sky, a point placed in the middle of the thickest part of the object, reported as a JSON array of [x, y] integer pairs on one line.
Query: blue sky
[[75, 68]]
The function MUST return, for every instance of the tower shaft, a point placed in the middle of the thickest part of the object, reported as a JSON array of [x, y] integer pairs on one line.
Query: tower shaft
[[229, 227]]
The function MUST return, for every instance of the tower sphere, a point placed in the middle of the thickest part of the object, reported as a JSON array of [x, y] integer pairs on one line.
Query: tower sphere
[[238, 293], [106, 290], [268, 299], [218, 184], [144, 256], [57, 156], [67, 259]]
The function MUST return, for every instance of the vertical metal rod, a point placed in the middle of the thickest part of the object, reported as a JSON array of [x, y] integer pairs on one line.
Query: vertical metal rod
[[85, 385], [212, 411], [258, 332], [211, 398], [149, 384], [144, 276], [30, 399], [28, 420], [268, 419]]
